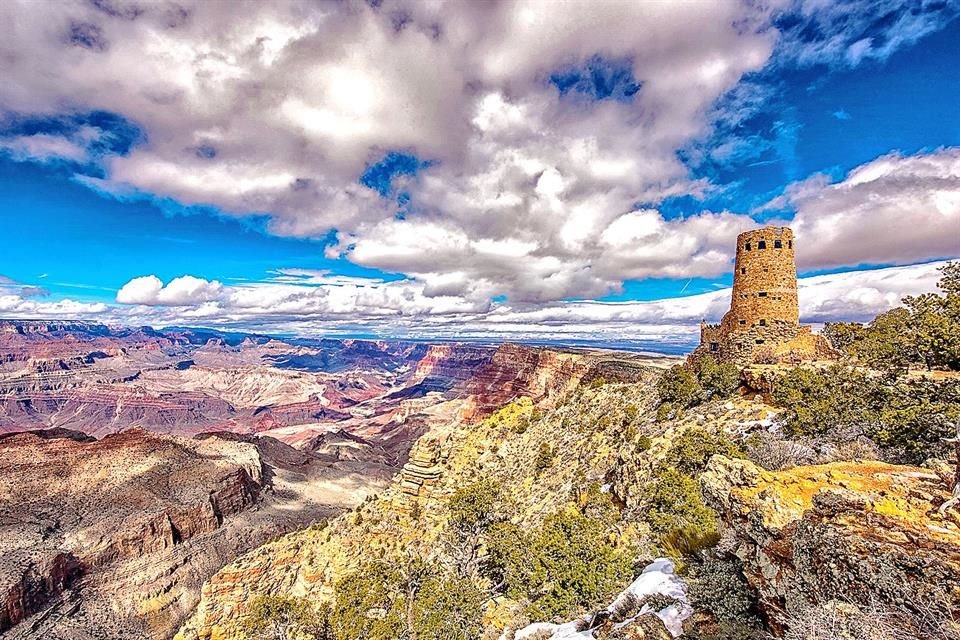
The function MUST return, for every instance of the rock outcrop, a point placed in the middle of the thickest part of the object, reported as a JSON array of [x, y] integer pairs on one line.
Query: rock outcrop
[[113, 538], [516, 370], [424, 468], [583, 423], [856, 531]]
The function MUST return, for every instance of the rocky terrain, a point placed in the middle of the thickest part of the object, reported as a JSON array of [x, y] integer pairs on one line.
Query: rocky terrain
[[113, 537], [583, 422], [168, 481], [856, 532], [102, 380], [134, 464]]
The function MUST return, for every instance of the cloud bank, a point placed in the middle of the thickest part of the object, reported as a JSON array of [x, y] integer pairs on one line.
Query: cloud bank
[[544, 142]]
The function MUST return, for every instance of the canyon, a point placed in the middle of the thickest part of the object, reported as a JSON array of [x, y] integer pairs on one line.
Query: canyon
[[162, 484], [135, 464]]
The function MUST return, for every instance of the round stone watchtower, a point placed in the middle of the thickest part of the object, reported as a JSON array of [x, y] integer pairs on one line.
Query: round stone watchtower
[[764, 280], [763, 323]]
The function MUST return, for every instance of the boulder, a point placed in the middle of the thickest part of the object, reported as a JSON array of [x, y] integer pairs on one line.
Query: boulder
[[860, 532]]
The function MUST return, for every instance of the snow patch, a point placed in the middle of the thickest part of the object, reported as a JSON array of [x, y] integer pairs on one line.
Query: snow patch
[[658, 578]]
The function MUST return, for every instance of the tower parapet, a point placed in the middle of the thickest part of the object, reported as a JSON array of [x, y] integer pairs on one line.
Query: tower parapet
[[763, 322]]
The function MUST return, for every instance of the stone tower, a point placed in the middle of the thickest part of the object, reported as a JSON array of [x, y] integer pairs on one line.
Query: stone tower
[[764, 279], [763, 323]]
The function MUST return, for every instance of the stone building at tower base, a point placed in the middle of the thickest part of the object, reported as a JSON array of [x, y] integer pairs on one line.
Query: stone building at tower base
[[763, 323]]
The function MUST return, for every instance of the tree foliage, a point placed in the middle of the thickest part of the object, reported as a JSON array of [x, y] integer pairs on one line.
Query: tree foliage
[[907, 418], [679, 386], [285, 618], [924, 332], [682, 387], [674, 500], [408, 599], [693, 449], [717, 379], [568, 565]]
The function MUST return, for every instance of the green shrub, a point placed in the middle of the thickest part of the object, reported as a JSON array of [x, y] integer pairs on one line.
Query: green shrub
[[908, 420], [914, 420], [544, 459], [285, 618], [839, 399], [573, 566], [597, 382], [718, 380], [719, 587], [844, 336], [520, 425], [474, 507], [674, 500], [664, 411], [679, 386], [385, 601], [448, 609], [368, 604], [569, 565], [694, 448], [416, 511], [644, 443], [688, 542]]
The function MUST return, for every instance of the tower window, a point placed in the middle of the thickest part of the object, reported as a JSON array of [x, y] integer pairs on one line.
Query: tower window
[[747, 246], [743, 322], [763, 323], [762, 244], [759, 340], [743, 270], [790, 243], [714, 346], [778, 244], [762, 294]]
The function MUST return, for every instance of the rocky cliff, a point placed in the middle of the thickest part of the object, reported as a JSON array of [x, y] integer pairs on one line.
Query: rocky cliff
[[583, 423], [517, 370], [114, 537], [858, 532], [446, 365]]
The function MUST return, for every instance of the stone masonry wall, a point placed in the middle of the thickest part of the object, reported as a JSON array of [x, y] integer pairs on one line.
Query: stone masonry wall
[[764, 315]]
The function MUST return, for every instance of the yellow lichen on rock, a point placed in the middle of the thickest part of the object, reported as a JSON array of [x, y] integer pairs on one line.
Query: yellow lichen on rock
[[848, 530]]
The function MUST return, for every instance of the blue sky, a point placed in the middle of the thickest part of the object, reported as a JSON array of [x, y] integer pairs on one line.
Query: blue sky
[[511, 175]]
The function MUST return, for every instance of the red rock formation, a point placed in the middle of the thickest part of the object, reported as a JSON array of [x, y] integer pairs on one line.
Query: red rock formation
[[445, 365], [34, 584], [517, 370]]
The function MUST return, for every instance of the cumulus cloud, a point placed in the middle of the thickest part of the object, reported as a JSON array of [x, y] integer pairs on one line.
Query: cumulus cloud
[[16, 305], [278, 108], [894, 210], [182, 291], [304, 302]]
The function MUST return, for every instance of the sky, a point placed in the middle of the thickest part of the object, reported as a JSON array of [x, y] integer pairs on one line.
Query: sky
[[544, 170]]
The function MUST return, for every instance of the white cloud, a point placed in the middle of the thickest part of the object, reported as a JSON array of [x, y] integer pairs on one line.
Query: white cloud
[[894, 210], [305, 302], [16, 305], [277, 109], [844, 34], [182, 291], [43, 147]]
